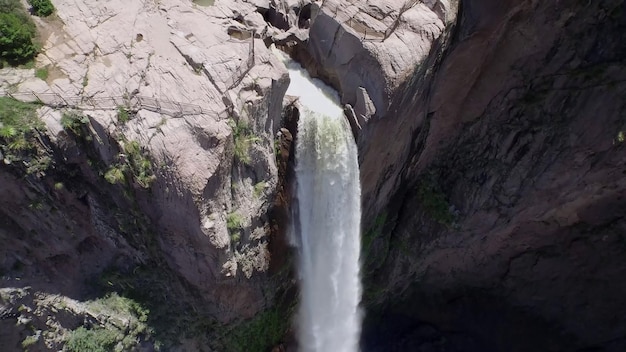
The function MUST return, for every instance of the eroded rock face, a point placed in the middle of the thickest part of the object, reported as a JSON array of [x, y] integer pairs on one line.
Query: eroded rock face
[[509, 217], [204, 216], [367, 49]]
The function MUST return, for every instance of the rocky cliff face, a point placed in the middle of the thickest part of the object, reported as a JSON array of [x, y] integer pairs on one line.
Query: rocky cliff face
[[160, 128], [491, 137], [506, 229]]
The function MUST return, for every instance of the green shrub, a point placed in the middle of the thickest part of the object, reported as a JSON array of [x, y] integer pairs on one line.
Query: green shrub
[[39, 165], [42, 8], [132, 149], [133, 165], [16, 38], [139, 164], [259, 188], [73, 121], [243, 139], [114, 303], [18, 122], [115, 175], [95, 340], [12, 6], [234, 221], [18, 129], [29, 341], [122, 114], [7, 132]]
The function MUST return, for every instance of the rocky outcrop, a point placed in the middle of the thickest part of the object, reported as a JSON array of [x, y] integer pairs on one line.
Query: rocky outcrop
[[43, 320], [366, 50], [505, 230]]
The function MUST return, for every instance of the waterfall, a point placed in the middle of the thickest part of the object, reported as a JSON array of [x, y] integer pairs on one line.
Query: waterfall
[[327, 227]]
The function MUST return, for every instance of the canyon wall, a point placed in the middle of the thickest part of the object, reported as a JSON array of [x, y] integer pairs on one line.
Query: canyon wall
[[491, 140], [506, 229]]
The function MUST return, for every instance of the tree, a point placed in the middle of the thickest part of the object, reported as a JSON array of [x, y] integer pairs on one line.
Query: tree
[[16, 45], [42, 8]]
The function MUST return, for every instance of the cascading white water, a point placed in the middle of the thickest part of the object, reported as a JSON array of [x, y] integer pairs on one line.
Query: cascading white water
[[327, 230]]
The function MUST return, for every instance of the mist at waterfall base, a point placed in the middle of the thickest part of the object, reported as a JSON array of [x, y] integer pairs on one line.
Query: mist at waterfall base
[[328, 218]]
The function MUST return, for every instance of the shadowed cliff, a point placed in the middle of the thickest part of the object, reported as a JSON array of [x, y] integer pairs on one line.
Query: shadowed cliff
[[506, 232]]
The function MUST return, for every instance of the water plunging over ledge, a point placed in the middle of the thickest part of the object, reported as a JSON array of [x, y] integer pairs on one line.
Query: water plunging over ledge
[[328, 219]]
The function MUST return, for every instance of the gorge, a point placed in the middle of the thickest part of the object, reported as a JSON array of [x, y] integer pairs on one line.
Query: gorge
[[491, 160], [327, 219]]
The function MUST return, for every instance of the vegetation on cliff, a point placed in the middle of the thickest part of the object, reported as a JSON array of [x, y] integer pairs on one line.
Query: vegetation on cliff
[[234, 223], [20, 130], [125, 326], [41, 8], [132, 164], [243, 139], [17, 33]]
